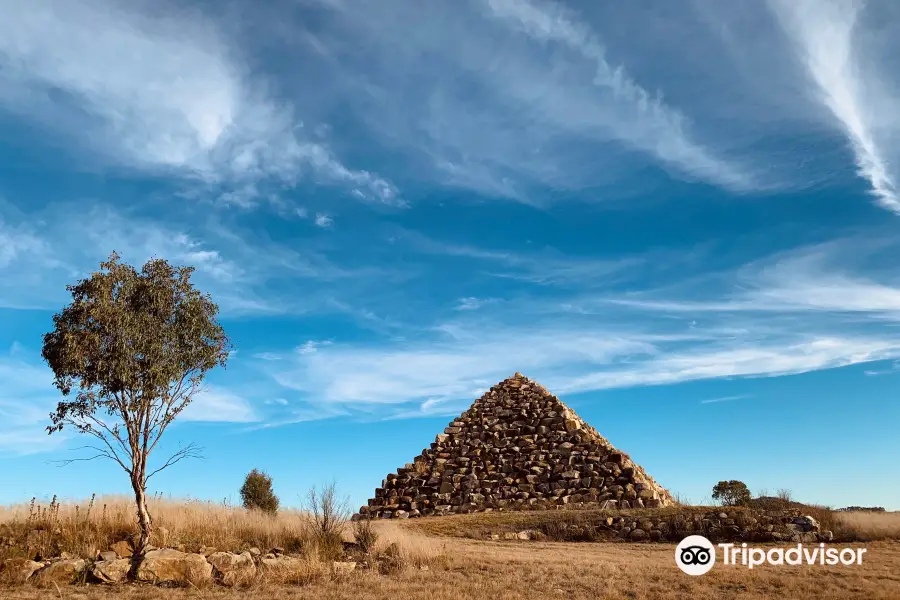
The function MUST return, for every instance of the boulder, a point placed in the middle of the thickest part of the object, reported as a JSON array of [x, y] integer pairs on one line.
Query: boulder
[[18, 570], [806, 523], [233, 569], [60, 571], [637, 535], [122, 549], [107, 555], [174, 567], [111, 571]]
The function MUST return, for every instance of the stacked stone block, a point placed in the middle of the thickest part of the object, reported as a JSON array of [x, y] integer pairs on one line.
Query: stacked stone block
[[517, 447]]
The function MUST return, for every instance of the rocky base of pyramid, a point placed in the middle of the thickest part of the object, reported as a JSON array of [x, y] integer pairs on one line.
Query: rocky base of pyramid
[[517, 448]]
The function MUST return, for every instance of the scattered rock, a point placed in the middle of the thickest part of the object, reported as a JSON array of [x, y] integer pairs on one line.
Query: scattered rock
[[122, 549], [107, 555], [255, 552], [60, 571], [233, 569], [18, 570], [172, 566], [637, 535], [111, 571], [806, 523]]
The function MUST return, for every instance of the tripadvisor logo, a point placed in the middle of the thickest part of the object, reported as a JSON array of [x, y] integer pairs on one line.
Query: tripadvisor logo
[[696, 555]]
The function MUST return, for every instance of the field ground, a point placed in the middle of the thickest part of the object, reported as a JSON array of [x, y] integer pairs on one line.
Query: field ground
[[461, 563], [484, 570]]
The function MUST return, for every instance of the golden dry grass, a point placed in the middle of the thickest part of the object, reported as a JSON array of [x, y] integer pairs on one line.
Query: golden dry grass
[[83, 528], [868, 526]]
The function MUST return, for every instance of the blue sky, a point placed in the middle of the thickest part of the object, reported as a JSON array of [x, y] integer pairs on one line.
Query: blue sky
[[680, 217]]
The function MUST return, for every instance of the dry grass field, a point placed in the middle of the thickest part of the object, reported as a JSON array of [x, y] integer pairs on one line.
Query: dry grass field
[[458, 568]]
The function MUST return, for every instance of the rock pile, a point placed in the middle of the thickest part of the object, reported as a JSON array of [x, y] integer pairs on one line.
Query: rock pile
[[719, 525], [517, 447]]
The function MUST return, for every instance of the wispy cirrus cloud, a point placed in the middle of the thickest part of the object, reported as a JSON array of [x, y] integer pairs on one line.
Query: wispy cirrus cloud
[[43, 251], [162, 89], [534, 100], [629, 113], [850, 84], [725, 399], [743, 326]]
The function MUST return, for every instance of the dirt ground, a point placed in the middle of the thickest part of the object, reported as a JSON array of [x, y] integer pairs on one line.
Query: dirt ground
[[485, 570]]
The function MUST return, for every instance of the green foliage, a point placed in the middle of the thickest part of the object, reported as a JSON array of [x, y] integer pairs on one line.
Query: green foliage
[[732, 493], [257, 493], [136, 344]]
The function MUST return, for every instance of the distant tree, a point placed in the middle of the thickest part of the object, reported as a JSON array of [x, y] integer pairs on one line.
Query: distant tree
[[257, 493], [135, 346], [732, 493]]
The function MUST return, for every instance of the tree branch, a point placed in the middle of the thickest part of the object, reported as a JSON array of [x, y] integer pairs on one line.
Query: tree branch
[[189, 451]]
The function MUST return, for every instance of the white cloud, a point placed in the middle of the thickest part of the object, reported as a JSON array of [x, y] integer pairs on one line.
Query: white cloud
[[472, 303], [813, 279], [52, 248], [725, 399], [324, 221], [213, 404], [748, 329], [630, 113], [566, 361], [155, 87], [530, 101], [830, 45], [27, 397]]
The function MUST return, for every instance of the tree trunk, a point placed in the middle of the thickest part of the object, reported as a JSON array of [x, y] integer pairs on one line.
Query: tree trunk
[[140, 496]]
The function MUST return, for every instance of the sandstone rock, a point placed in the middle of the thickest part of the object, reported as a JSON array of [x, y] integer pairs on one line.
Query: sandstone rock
[[255, 552], [60, 572], [122, 549], [107, 555], [111, 571], [233, 569], [172, 566], [18, 570]]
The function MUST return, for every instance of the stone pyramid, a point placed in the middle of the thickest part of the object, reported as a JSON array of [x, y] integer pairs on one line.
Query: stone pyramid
[[518, 447]]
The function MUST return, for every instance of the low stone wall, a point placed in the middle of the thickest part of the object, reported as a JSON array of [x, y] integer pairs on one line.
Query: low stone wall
[[719, 525], [171, 567]]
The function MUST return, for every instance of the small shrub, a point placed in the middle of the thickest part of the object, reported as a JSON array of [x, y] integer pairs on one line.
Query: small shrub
[[785, 495], [257, 493], [328, 518], [732, 493], [364, 534]]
